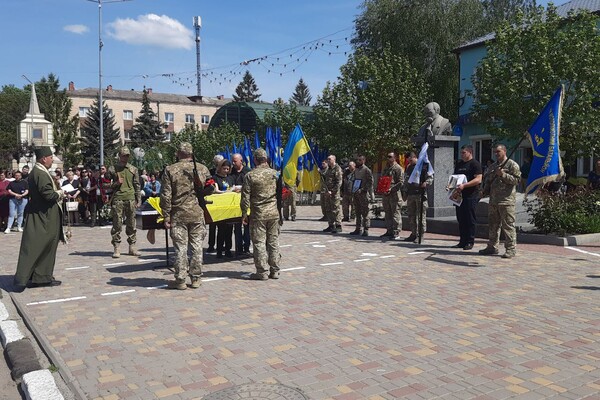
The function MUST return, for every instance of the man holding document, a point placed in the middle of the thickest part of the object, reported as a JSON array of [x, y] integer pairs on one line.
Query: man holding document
[[469, 191]]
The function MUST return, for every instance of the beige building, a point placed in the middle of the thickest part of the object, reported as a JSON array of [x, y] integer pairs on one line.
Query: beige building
[[174, 110]]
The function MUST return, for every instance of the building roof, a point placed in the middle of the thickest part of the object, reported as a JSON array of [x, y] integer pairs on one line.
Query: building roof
[[136, 95], [563, 10], [247, 114]]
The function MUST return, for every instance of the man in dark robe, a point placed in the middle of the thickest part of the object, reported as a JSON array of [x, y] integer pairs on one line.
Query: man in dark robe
[[43, 226]]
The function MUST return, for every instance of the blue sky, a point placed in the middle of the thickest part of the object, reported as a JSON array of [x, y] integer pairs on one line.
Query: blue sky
[[151, 43]]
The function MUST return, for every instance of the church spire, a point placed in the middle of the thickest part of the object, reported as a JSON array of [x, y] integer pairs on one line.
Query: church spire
[[34, 108]]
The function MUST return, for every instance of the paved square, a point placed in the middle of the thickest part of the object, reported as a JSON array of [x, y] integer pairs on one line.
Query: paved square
[[350, 318]]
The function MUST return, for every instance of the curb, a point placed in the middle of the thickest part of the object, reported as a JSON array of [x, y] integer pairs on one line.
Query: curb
[[37, 383]]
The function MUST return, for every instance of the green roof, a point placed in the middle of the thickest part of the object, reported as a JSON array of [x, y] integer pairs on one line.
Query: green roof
[[247, 114]]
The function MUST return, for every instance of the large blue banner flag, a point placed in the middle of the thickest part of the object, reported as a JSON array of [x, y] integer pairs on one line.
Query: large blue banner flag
[[543, 134]]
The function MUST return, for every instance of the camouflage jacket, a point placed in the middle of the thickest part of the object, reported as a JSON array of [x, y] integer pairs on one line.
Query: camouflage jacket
[[397, 174], [502, 189], [130, 188], [259, 193], [366, 179], [333, 179], [178, 199]]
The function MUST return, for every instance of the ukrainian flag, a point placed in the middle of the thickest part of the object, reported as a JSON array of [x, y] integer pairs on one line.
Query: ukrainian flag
[[546, 165], [296, 147]]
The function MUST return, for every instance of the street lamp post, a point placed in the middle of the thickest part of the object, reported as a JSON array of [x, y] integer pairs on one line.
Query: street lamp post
[[30, 111], [100, 45]]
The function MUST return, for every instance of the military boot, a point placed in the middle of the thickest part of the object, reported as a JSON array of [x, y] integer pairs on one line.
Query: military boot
[[365, 232], [116, 252], [133, 251], [196, 282], [488, 251], [355, 232], [177, 284]]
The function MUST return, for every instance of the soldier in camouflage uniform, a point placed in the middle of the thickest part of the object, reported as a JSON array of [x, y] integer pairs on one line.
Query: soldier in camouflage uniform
[[259, 194], [416, 198], [333, 183], [348, 209], [500, 184], [392, 202], [184, 216], [361, 195], [125, 199], [289, 204], [323, 189]]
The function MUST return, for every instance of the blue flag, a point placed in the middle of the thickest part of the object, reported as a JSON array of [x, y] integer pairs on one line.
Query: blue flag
[[415, 177], [256, 141], [543, 134]]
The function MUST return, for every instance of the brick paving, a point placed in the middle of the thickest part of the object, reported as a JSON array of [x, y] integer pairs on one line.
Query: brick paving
[[380, 320]]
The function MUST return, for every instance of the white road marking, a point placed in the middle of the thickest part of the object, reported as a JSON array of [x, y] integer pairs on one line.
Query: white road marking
[[582, 251], [368, 254], [318, 245], [312, 243], [333, 263], [57, 300], [215, 279], [292, 269], [285, 245], [107, 226], [362, 259], [115, 293], [147, 260], [334, 240], [390, 256], [72, 268], [114, 264], [417, 252], [157, 287]]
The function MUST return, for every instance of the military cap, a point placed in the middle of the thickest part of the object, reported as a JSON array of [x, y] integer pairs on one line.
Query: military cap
[[258, 153], [186, 147], [43, 151], [124, 151]]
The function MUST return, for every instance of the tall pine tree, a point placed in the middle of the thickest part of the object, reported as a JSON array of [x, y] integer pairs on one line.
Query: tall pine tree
[[90, 135], [147, 130], [247, 89], [301, 95]]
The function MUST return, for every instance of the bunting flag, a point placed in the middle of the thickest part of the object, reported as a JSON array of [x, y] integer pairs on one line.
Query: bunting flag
[[296, 147], [415, 177], [543, 134]]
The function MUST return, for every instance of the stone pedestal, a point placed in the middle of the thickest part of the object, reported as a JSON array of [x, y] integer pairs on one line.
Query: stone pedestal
[[443, 155]]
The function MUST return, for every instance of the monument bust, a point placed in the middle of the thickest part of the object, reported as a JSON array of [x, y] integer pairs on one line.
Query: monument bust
[[434, 125]]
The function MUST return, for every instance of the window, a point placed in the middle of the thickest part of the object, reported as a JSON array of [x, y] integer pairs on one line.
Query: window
[[128, 115], [127, 135], [483, 150], [37, 133], [169, 118], [205, 119], [189, 119], [168, 136], [83, 112]]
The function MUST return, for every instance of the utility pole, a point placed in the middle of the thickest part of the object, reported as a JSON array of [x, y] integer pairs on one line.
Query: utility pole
[[197, 26], [100, 45]]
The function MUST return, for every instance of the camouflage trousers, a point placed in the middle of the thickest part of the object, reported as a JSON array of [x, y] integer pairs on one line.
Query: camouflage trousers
[[502, 217], [184, 236], [290, 203], [348, 209], [392, 205], [361, 202], [323, 205], [413, 202], [265, 245], [120, 209], [333, 209]]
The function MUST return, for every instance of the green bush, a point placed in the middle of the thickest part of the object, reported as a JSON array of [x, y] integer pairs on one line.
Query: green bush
[[564, 214]]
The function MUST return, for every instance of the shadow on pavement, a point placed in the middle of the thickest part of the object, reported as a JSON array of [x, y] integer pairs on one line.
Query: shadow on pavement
[[586, 287], [456, 263], [141, 282], [592, 276], [92, 253]]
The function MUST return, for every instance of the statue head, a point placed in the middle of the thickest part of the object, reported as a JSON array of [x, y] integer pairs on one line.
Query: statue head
[[431, 111]]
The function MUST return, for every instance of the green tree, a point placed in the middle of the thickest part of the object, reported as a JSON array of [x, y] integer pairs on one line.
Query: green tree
[[523, 68], [56, 106], [301, 94], [374, 107], [286, 116], [14, 103], [147, 130], [247, 90], [505, 11], [90, 135], [423, 32]]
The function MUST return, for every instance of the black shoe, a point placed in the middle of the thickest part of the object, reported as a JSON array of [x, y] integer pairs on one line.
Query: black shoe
[[329, 229], [294, 218], [355, 232], [365, 232], [53, 282], [219, 254], [337, 229], [386, 234], [211, 250], [412, 238], [345, 219], [287, 219], [228, 254], [468, 246], [458, 246]]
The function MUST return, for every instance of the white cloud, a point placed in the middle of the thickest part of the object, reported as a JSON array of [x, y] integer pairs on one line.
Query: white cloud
[[153, 30], [78, 29]]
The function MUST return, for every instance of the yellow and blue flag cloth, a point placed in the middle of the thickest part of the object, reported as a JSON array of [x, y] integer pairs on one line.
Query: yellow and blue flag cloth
[[415, 177], [543, 134], [296, 147]]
